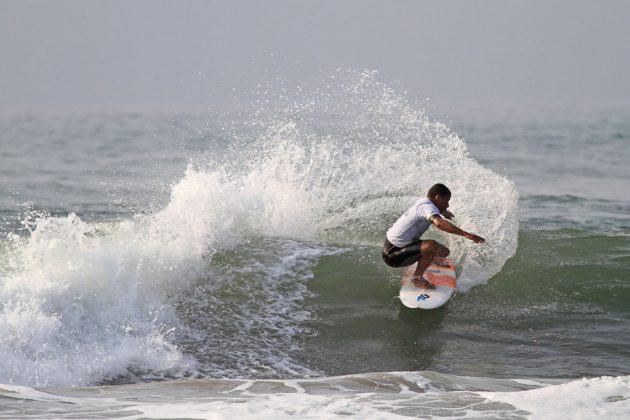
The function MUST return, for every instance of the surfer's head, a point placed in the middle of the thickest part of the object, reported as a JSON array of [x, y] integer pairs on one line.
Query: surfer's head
[[440, 195]]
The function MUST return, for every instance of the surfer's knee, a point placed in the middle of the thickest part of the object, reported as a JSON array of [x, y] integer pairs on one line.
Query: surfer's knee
[[442, 251], [434, 249], [429, 247]]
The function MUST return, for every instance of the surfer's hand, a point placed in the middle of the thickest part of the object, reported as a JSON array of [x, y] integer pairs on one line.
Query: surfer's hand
[[476, 239]]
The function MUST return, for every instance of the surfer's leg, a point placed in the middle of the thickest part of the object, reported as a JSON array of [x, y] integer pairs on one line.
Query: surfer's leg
[[429, 250]]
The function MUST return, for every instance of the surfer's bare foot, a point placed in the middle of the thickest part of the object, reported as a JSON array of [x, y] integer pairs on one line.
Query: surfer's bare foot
[[422, 283]]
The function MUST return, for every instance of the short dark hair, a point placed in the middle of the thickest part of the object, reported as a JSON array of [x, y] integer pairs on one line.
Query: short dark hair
[[439, 189]]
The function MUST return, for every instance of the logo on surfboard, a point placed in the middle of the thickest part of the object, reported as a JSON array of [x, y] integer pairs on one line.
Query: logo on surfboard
[[423, 296]]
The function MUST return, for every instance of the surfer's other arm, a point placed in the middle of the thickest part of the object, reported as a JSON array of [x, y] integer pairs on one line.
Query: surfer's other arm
[[448, 227], [447, 214]]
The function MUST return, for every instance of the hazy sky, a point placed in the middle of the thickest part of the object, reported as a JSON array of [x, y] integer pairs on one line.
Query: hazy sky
[[190, 55]]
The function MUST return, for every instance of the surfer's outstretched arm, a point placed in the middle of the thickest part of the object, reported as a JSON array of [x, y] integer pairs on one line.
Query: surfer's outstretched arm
[[448, 227]]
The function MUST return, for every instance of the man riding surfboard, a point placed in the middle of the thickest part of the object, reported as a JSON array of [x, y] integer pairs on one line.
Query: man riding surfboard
[[403, 245]]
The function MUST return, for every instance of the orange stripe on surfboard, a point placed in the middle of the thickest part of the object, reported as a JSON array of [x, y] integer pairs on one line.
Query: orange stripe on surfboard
[[440, 280], [436, 274]]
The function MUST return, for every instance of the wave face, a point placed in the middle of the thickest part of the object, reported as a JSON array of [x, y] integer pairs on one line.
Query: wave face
[[215, 282]]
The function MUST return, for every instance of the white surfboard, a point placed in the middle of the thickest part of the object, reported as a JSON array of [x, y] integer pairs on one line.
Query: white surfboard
[[441, 275]]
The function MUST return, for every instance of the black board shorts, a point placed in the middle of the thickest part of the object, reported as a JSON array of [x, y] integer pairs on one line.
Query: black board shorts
[[401, 257]]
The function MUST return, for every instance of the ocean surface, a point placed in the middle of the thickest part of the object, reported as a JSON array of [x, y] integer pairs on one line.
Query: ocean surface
[[228, 264]]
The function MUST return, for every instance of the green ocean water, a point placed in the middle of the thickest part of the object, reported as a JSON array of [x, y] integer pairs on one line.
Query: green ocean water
[[555, 310]]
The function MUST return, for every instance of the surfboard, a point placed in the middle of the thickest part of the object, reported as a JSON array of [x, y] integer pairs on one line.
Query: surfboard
[[441, 275]]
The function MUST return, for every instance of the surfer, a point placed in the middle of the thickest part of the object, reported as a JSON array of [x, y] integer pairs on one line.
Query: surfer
[[403, 245]]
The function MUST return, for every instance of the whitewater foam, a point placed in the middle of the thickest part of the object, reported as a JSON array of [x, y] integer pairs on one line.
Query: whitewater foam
[[78, 307], [371, 396]]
